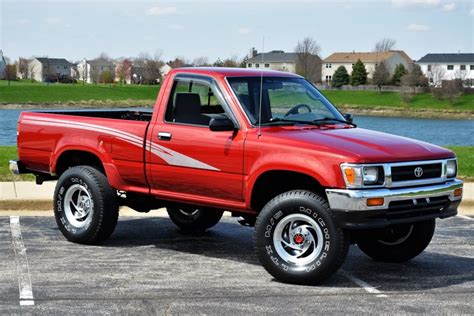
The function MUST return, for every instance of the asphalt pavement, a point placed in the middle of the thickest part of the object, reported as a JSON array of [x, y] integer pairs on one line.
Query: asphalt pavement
[[148, 266]]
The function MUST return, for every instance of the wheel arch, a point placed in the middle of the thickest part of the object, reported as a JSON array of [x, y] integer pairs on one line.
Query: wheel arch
[[270, 183]]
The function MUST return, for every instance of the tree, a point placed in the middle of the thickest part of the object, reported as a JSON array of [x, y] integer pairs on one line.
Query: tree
[[106, 77], [415, 78], [452, 89], [232, 62], [218, 63], [124, 71], [340, 77], [359, 74], [23, 70], [437, 74], [308, 63], [384, 45], [399, 72], [381, 76], [10, 72], [201, 61], [178, 62]]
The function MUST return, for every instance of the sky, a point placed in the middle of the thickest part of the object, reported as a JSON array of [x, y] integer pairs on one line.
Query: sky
[[220, 29]]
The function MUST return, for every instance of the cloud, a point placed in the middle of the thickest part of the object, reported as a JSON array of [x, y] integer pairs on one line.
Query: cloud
[[23, 21], [158, 10], [175, 27], [471, 13], [52, 20], [418, 28], [415, 3], [449, 6], [244, 30]]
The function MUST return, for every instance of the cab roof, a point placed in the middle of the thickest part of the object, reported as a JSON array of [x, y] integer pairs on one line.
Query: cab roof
[[233, 72]]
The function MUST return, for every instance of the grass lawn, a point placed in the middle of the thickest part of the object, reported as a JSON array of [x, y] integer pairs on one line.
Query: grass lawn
[[25, 91], [465, 156], [393, 99], [28, 92]]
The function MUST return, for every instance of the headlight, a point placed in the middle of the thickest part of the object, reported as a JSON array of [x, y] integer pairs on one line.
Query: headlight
[[451, 168], [357, 176]]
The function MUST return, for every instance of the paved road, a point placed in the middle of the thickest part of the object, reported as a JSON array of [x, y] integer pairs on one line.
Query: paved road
[[148, 266]]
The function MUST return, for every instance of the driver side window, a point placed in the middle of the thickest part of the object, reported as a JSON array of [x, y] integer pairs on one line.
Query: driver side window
[[193, 102]]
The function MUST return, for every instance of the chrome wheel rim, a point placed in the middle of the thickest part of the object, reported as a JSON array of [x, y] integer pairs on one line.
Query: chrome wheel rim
[[78, 206], [399, 240], [188, 212], [298, 239]]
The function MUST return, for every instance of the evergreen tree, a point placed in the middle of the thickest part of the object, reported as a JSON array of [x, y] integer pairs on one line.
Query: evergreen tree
[[381, 76], [359, 74], [340, 77], [399, 72]]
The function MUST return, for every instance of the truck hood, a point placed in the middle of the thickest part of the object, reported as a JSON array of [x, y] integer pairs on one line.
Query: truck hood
[[360, 145]]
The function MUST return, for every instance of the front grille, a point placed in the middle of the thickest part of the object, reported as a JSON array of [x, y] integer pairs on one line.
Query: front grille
[[417, 207], [407, 173]]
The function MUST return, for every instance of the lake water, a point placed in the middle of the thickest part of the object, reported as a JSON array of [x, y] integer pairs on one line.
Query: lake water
[[437, 131]]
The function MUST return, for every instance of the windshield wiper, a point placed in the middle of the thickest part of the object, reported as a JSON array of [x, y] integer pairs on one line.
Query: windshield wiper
[[279, 119], [329, 119], [314, 122]]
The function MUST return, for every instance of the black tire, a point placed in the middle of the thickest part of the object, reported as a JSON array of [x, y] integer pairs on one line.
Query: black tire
[[92, 185], [194, 218], [299, 207], [397, 243]]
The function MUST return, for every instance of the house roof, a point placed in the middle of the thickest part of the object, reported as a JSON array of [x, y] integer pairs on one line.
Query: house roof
[[446, 58], [365, 57], [45, 60], [274, 57], [101, 62]]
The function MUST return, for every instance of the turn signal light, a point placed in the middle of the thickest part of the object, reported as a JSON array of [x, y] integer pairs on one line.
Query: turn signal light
[[375, 202], [350, 175], [458, 192]]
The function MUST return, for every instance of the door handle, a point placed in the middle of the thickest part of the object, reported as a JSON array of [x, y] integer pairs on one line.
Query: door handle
[[164, 136]]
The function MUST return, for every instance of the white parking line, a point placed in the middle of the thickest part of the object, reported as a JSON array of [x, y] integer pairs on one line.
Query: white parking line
[[366, 286], [466, 217], [22, 267]]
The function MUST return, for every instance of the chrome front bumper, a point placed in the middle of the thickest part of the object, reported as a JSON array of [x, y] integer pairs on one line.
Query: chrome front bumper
[[356, 200]]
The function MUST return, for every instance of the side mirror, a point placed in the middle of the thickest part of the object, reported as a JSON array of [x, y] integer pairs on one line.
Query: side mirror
[[221, 124], [348, 117]]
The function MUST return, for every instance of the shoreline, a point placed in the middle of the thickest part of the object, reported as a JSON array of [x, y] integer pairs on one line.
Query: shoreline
[[353, 109]]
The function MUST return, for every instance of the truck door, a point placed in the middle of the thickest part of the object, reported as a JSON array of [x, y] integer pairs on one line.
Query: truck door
[[186, 157]]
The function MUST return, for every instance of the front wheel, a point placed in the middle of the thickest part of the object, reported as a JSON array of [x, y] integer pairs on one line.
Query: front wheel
[[397, 243], [297, 240]]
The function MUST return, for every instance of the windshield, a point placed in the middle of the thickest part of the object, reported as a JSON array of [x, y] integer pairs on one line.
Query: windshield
[[283, 100]]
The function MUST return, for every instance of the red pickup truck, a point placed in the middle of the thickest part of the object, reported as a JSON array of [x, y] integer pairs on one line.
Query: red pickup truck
[[264, 145]]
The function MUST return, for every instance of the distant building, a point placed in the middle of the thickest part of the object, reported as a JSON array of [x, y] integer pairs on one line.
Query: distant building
[[49, 69], [274, 60], [439, 67], [3, 65], [370, 60], [91, 71]]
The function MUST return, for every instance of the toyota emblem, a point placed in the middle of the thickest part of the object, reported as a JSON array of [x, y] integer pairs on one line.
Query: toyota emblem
[[418, 172]]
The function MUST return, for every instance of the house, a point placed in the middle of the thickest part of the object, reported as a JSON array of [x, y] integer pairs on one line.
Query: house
[[274, 60], [140, 73], [3, 65], [94, 71], [370, 59], [439, 67], [49, 69]]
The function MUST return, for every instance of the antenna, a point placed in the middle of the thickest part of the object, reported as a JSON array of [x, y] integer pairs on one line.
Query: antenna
[[261, 91]]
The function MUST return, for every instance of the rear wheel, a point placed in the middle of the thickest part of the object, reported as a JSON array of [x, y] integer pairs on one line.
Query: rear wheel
[[85, 206], [297, 240], [194, 218], [397, 243]]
